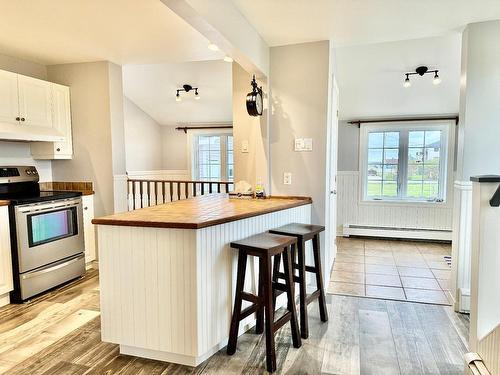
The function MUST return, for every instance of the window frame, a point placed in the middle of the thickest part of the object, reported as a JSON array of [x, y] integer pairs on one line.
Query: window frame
[[195, 170], [447, 129]]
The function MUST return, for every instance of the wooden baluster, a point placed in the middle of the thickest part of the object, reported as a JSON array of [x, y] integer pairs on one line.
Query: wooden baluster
[[171, 191], [186, 189], [128, 195], [156, 192], [133, 194], [140, 191], [218, 187], [179, 191], [210, 188], [163, 192], [202, 188], [194, 189]]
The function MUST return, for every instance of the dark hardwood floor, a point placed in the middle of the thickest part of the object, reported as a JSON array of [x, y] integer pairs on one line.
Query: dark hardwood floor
[[60, 334]]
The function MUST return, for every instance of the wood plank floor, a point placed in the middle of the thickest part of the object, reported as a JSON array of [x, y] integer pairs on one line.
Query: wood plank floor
[[60, 334]]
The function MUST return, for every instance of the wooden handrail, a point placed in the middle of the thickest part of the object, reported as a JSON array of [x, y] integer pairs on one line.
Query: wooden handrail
[[152, 192]]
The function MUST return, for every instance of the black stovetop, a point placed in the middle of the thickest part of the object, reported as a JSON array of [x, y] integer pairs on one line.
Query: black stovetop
[[29, 192]]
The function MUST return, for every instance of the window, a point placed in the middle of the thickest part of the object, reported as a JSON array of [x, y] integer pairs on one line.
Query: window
[[404, 162], [214, 157]]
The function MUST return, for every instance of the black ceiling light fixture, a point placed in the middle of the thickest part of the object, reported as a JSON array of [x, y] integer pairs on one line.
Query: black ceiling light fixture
[[186, 88], [421, 70]]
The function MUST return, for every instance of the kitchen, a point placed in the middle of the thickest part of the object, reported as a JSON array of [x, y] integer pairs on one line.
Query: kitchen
[[167, 189]]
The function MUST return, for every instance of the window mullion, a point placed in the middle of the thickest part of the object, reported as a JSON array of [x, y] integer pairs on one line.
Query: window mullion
[[223, 157], [403, 164]]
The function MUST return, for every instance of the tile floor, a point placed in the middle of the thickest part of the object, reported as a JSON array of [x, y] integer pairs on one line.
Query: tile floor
[[391, 269]]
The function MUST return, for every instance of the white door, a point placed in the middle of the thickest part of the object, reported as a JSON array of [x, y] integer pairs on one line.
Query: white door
[[9, 101], [35, 103], [62, 118], [6, 284], [333, 170]]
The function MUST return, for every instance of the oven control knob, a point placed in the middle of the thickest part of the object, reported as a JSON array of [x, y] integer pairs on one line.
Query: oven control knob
[[34, 171], [28, 171]]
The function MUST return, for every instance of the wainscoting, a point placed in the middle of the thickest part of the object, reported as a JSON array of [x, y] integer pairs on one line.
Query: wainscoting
[[395, 215]]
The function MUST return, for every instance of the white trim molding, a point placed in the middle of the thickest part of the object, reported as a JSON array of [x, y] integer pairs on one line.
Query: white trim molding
[[163, 174], [461, 246]]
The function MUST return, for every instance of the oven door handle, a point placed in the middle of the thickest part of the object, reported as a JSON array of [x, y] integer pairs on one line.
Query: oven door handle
[[50, 269], [48, 207]]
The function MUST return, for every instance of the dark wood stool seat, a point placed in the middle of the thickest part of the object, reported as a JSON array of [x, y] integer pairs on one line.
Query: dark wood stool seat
[[303, 233], [265, 246]]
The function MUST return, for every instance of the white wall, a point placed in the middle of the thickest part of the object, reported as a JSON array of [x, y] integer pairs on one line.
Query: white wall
[[143, 139], [371, 78], [174, 149], [91, 107], [19, 153], [479, 130]]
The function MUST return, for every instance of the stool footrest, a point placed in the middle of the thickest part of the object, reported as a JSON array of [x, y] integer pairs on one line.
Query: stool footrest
[[281, 275], [311, 297], [310, 269], [279, 286], [250, 297], [248, 311], [282, 321]]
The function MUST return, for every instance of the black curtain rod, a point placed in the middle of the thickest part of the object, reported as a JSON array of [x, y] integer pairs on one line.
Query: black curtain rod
[[186, 128], [403, 119]]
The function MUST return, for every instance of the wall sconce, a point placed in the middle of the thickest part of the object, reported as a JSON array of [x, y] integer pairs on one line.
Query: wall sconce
[[421, 70], [186, 88]]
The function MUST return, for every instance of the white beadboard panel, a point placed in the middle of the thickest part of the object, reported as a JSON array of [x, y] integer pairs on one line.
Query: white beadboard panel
[[171, 291], [351, 211]]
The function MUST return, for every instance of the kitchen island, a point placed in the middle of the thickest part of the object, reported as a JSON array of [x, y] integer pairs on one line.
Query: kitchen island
[[167, 273]]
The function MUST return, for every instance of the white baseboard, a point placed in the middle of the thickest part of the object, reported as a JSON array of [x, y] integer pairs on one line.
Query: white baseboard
[[464, 300], [4, 299], [391, 232]]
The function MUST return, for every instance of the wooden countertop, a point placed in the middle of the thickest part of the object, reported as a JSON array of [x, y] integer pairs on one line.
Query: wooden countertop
[[201, 212], [4, 203]]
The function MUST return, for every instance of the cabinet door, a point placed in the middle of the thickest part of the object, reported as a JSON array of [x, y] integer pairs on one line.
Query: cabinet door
[[9, 100], [6, 284], [88, 227], [61, 116], [35, 102]]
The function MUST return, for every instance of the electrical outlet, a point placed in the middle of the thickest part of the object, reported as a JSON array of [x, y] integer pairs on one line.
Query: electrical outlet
[[308, 144], [299, 144], [287, 178], [244, 146]]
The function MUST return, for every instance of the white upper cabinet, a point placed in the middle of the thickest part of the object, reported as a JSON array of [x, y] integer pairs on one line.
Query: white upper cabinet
[[35, 102], [61, 121], [9, 99]]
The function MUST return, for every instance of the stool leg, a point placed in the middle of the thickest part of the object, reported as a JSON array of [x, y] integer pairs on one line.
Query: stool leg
[[259, 326], [235, 320], [276, 269], [304, 327], [287, 265], [319, 279], [269, 313]]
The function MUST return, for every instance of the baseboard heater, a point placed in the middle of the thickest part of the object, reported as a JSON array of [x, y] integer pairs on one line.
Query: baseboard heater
[[394, 232]]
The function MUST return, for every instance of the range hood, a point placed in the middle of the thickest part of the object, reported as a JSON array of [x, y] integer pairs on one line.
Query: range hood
[[29, 133]]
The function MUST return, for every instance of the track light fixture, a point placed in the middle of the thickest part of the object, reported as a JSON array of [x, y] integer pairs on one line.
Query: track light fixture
[[421, 70], [186, 88]]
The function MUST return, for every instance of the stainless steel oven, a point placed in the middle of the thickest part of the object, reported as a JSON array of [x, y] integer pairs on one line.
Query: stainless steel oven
[[46, 233]]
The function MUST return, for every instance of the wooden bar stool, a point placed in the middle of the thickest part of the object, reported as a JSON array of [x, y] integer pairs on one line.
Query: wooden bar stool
[[303, 233], [265, 246]]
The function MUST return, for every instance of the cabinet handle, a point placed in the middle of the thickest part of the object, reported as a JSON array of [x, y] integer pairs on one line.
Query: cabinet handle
[[85, 208], [22, 119], [58, 149], [18, 118]]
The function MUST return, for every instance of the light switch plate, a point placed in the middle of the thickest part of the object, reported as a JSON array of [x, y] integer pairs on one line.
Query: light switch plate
[[244, 146], [287, 178], [299, 144], [308, 144]]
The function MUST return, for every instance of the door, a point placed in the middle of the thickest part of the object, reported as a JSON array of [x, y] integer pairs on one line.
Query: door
[[6, 284], [62, 118], [9, 101], [35, 102], [333, 170]]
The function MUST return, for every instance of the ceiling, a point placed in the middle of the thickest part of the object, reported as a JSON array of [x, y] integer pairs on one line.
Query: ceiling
[[370, 78], [122, 31], [349, 22], [152, 88]]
